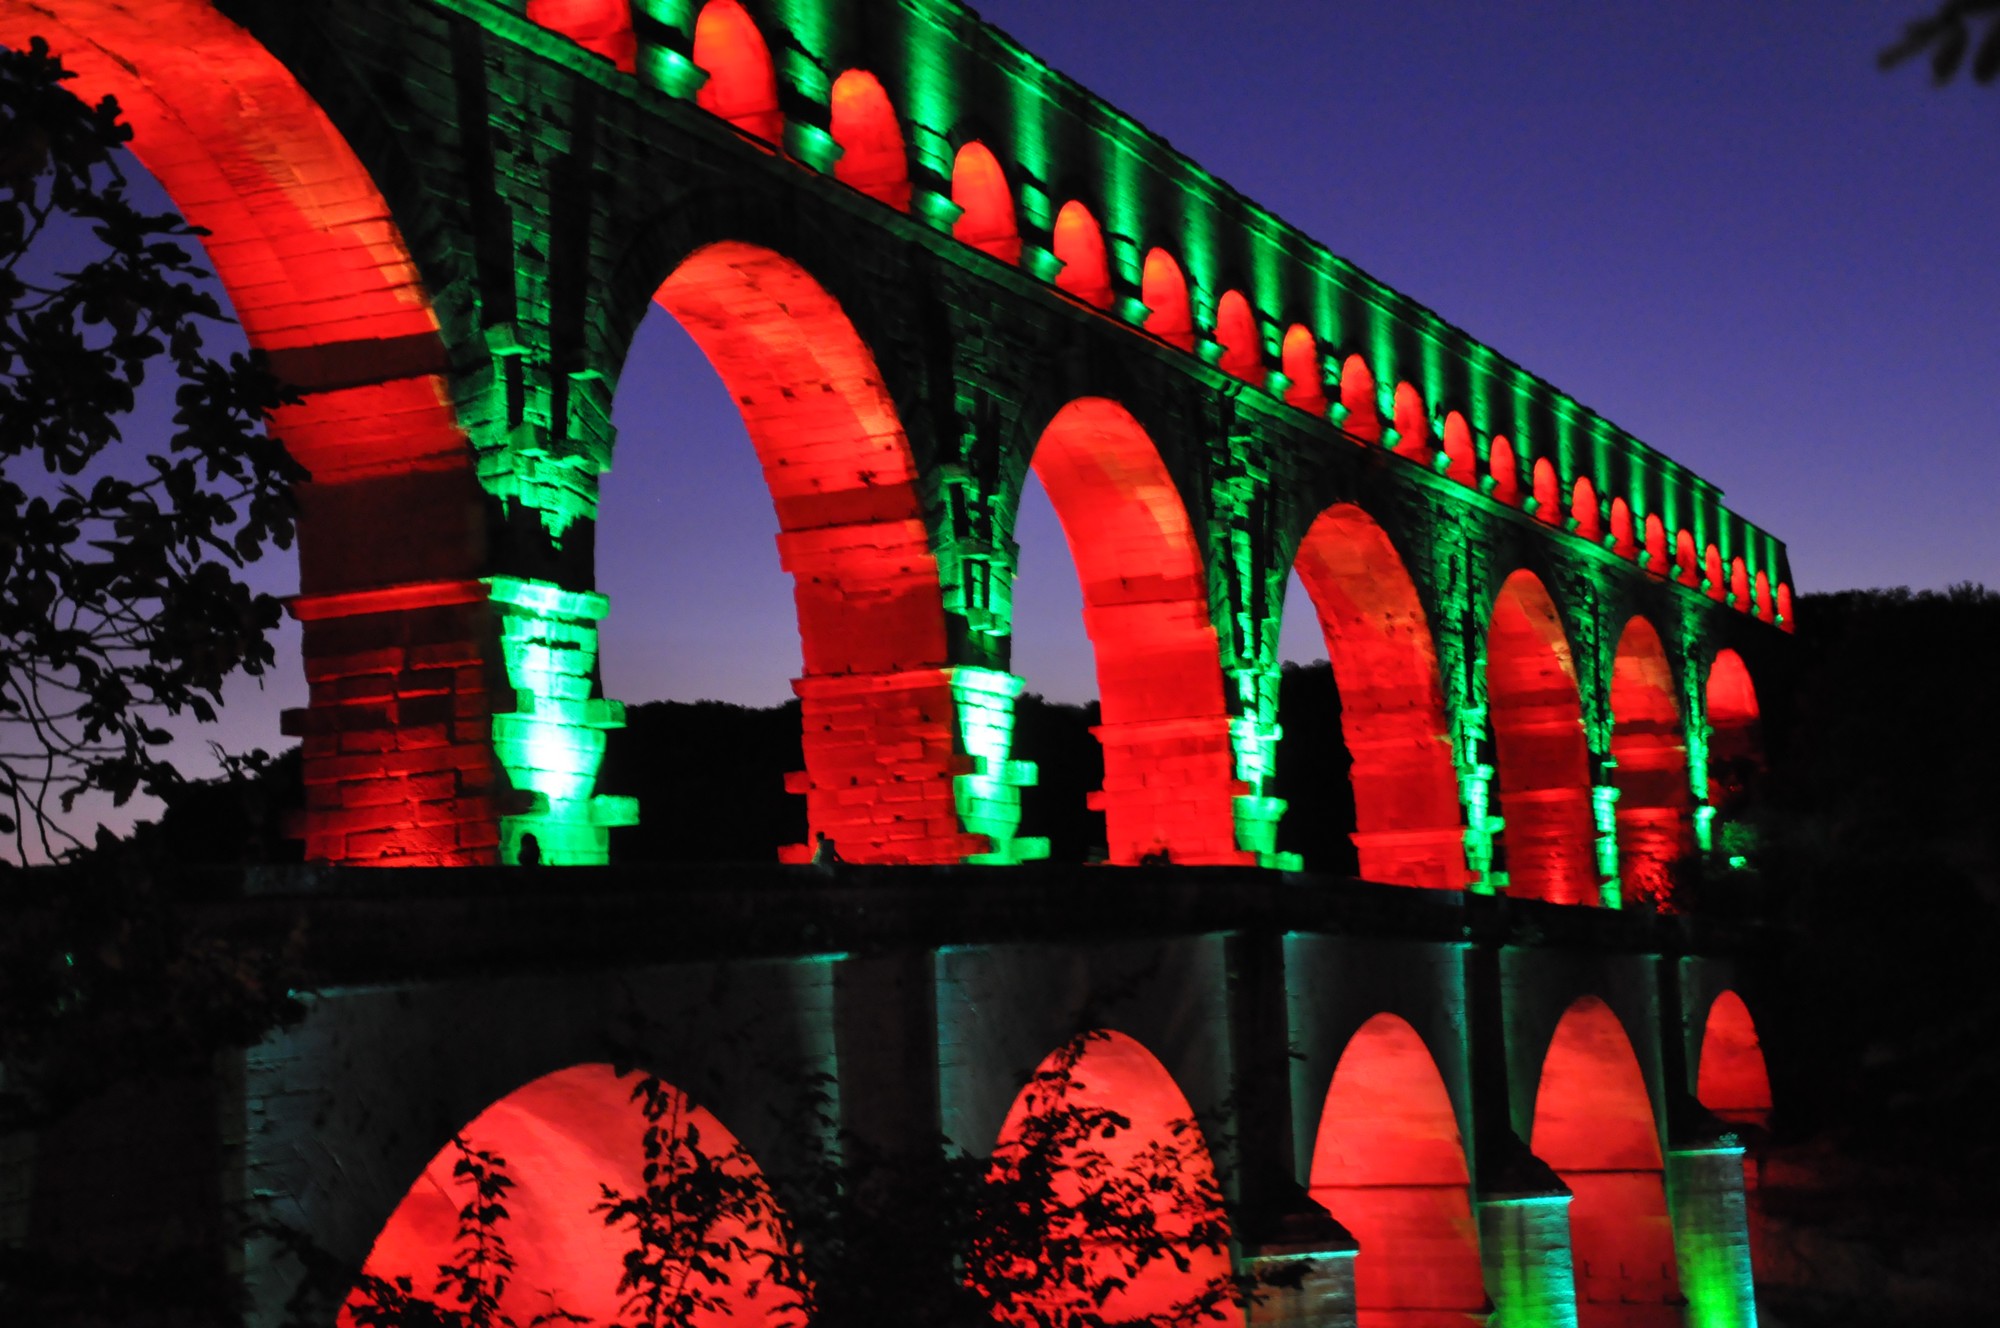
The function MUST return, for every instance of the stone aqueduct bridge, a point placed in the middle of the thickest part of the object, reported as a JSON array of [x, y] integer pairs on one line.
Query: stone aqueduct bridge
[[925, 265]]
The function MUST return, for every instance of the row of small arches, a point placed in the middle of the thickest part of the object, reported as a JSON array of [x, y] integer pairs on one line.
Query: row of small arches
[[741, 87]]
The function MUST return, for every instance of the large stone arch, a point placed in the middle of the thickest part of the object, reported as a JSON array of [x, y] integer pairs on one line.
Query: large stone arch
[[399, 762], [1649, 751]]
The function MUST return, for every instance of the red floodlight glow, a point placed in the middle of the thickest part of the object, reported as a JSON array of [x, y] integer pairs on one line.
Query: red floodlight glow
[[873, 157], [742, 86], [1078, 243]]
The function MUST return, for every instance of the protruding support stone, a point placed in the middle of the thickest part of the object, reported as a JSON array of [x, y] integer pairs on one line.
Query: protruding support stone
[[1712, 1233]]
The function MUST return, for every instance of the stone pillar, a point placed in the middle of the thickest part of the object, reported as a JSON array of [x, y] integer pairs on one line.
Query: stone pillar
[[1525, 1249], [1712, 1234], [1303, 1272]]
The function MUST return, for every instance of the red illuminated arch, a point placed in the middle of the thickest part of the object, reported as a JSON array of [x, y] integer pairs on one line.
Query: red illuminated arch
[[1503, 468], [1408, 827], [603, 26], [562, 1137], [1413, 424], [1731, 1080], [1163, 290], [1079, 244], [1463, 462], [1236, 334], [1711, 573], [1540, 756], [1687, 562], [1785, 607], [1739, 584], [742, 87], [1305, 377], [1357, 397], [1649, 744], [1584, 511], [1548, 493], [873, 157], [844, 483], [1760, 596], [1161, 1151], [1594, 1125], [986, 220], [1390, 1166], [320, 278], [1656, 545], [1735, 744], [1169, 774], [1623, 542]]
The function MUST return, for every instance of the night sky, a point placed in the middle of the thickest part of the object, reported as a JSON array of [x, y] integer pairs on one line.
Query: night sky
[[1716, 223]]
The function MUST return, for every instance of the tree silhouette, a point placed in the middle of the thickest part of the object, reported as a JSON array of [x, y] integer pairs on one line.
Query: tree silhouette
[[1947, 33]]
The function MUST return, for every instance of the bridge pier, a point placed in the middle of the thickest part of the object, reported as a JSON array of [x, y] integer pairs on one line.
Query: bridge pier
[[1705, 1194], [1524, 1241]]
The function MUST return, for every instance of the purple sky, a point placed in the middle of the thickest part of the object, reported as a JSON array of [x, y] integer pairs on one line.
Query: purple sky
[[1714, 222]]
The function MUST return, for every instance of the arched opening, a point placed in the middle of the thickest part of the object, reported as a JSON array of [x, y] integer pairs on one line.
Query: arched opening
[[1121, 1222], [603, 26], [873, 157], [1236, 335], [1169, 776], [1656, 545], [1623, 541], [1079, 245], [1649, 746], [1462, 462], [1305, 377], [1731, 1079], [1363, 416], [1408, 826], [1739, 584], [1413, 424], [1163, 290], [1541, 759], [1785, 607], [560, 1140], [1735, 742], [1584, 511], [852, 534], [1761, 596], [1390, 1166], [1687, 562], [742, 87], [1594, 1125], [986, 204], [1504, 469], [321, 280], [1548, 493], [1711, 573]]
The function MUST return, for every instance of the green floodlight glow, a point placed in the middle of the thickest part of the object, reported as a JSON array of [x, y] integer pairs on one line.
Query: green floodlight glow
[[932, 83], [1705, 1195], [1534, 1273], [671, 72], [1704, 828], [1604, 818], [988, 796], [552, 743]]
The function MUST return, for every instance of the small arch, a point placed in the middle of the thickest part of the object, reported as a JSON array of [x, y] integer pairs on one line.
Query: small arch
[[1463, 462], [1504, 469], [742, 85], [1548, 493], [1713, 582], [1687, 562], [873, 156], [602, 26], [1357, 398], [1649, 748], [1623, 542], [986, 204], [1305, 376], [1541, 758], [1585, 512], [1078, 243], [1739, 584], [1785, 607], [1413, 424], [1169, 772], [1736, 741], [1409, 829], [1731, 1079], [1389, 1165], [1760, 596], [1236, 333], [1594, 1125], [1061, 1160], [1163, 290], [562, 1137], [1656, 545]]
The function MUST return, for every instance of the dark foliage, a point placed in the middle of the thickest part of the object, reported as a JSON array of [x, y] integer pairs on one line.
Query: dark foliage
[[120, 600], [710, 779], [1948, 34], [1057, 737], [1313, 772]]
